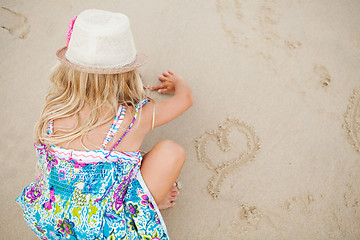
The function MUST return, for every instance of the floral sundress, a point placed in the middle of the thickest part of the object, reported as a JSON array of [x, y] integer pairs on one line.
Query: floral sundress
[[96, 194]]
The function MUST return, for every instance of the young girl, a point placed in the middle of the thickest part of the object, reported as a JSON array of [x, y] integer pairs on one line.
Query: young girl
[[93, 182]]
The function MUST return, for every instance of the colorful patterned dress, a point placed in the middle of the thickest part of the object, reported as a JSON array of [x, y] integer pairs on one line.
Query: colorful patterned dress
[[91, 194]]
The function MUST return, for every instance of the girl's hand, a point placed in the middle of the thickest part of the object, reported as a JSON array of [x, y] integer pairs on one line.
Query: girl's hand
[[169, 81], [174, 106]]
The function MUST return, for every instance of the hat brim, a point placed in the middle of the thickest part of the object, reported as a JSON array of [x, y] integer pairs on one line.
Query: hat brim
[[140, 60]]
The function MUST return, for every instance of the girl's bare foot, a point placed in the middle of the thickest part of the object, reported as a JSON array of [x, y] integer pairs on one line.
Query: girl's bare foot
[[169, 200]]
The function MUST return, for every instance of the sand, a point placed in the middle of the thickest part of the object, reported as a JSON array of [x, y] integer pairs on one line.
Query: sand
[[273, 138]]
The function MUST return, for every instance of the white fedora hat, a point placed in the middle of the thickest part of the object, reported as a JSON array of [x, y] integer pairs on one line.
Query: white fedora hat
[[101, 42]]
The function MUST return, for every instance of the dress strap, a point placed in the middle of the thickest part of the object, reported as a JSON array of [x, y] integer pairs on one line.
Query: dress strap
[[153, 116], [50, 128], [119, 117], [142, 103]]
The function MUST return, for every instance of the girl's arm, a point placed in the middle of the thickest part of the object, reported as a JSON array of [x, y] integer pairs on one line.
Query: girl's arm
[[167, 110]]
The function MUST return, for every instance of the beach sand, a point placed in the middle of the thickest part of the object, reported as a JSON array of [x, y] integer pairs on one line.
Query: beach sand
[[273, 137]]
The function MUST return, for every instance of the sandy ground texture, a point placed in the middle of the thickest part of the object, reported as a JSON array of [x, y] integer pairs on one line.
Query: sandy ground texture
[[273, 139]]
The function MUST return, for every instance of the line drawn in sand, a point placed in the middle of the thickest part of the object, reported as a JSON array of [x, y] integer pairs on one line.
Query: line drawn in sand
[[268, 16], [15, 23], [220, 136], [254, 24], [231, 15], [352, 120]]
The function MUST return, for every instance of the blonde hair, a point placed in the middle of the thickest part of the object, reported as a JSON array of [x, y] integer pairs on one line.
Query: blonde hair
[[71, 89]]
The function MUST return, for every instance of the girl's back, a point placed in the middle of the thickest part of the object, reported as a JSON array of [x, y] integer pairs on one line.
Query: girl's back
[[95, 138]]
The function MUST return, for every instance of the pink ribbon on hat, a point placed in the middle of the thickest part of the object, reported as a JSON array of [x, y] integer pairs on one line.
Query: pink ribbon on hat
[[71, 26]]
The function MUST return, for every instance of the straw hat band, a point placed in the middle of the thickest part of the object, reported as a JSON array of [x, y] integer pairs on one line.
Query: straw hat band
[[97, 66]]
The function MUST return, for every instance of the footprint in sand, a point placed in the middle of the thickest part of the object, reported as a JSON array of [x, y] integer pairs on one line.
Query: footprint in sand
[[226, 166], [15, 23], [352, 120], [351, 198], [323, 75], [300, 203], [249, 214], [318, 79], [248, 219], [292, 45]]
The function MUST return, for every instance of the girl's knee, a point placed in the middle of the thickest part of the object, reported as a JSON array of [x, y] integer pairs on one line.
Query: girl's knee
[[174, 150]]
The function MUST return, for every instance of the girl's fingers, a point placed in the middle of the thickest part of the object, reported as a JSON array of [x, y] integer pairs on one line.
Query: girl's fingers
[[160, 86], [171, 72], [163, 90], [162, 78], [166, 74]]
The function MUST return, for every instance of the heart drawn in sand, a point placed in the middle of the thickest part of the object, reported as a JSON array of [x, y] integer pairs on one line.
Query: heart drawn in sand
[[221, 170]]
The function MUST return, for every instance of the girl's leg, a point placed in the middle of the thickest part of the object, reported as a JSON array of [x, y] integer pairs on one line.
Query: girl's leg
[[161, 167]]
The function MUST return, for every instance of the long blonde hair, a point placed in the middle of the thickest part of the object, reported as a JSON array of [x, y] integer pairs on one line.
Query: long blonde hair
[[71, 89]]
